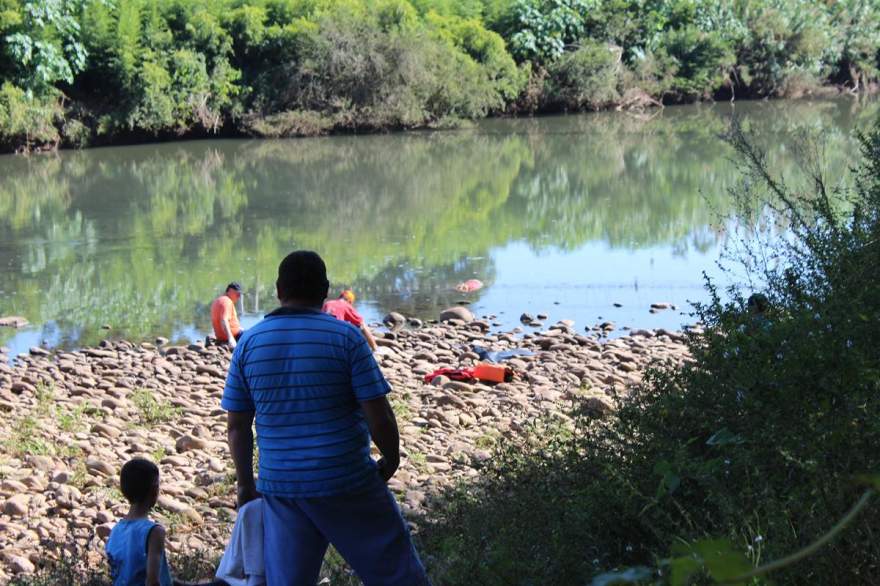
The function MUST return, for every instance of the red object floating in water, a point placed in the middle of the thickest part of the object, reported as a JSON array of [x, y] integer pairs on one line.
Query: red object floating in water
[[469, 285]]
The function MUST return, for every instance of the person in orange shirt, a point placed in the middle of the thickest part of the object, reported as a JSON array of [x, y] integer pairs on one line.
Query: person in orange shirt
[[224, 317], [342, 309]]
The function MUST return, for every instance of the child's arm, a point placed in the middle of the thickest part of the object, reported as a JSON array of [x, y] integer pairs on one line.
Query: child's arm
[[155, 549]]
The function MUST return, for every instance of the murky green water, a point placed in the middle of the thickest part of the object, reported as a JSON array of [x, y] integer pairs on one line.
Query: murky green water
[[563, 215]]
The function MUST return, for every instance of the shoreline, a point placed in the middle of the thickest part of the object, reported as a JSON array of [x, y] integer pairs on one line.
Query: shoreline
[[71, 418], [821, 92]]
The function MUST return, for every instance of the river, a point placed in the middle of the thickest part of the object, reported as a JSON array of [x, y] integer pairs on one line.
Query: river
[[589, 217]]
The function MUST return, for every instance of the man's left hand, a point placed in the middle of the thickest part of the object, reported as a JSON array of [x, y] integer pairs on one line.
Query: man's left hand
[[246, 494]]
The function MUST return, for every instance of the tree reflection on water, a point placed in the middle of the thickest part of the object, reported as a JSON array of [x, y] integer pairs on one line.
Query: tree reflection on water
[[142, 237]]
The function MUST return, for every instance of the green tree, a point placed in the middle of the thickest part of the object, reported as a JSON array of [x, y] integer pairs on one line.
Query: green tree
[[45, 45]]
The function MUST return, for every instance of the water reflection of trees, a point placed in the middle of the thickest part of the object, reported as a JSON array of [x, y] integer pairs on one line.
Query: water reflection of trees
[[139, 237]]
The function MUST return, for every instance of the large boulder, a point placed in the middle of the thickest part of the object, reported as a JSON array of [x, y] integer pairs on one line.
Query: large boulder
[[461, 313]]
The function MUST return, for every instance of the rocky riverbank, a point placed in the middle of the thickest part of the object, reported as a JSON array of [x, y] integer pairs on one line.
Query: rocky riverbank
[[71, 419]]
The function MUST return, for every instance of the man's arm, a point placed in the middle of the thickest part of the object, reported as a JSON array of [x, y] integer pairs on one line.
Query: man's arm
[[155, 548], [371, 341], [230, 339], [383, 428], [241, 445]]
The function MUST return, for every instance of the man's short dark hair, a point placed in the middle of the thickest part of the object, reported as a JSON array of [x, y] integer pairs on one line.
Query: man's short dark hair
[[302, 275], [137, 478], [234, 286]]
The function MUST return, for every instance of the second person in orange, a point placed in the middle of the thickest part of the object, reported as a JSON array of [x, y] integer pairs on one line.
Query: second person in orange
[[224, 318]]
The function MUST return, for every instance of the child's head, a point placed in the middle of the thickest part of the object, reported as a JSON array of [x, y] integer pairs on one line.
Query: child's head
[[758, 304], [139, 482]]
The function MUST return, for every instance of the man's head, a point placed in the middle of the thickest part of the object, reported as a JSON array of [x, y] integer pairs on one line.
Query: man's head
[[233, 291], [302, 279], [139, 482], [348, 295]]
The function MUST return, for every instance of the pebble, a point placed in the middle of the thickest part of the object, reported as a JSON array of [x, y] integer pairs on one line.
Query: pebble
[[99, 466], [13, 321], [17, 506], [457, 313], [394, 320], [20, 565], [105, 430], [187, 442]]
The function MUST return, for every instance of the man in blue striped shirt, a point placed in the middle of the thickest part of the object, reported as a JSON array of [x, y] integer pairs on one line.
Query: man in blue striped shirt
[[318, 398]]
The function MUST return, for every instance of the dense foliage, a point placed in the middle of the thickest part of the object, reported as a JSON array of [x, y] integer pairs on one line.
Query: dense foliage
[[79, 72], [758, 443]]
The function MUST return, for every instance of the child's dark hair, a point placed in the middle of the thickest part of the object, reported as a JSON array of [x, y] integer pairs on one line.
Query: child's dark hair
[[758, 302], [137, 478]]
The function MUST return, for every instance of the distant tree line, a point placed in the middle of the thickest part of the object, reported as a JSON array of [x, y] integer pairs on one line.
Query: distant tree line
[[75, 73]]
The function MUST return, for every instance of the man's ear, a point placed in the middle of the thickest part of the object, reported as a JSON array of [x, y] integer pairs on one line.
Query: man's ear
[[277, 291]]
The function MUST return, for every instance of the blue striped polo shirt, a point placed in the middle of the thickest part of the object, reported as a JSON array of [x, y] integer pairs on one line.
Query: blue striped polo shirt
[[304, 372]]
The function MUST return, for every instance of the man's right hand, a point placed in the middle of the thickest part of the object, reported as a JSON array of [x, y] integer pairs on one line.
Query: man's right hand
[[247, 494], [387, 468], [383, 430]]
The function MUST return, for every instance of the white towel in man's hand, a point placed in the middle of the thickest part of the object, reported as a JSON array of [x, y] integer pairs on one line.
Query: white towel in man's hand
[[242, 562]]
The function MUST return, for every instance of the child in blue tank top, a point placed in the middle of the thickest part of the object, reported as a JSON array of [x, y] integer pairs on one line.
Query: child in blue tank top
[[136, 546]]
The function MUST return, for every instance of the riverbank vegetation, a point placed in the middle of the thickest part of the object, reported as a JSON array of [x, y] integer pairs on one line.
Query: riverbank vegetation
[[75, 73], [751, 452]]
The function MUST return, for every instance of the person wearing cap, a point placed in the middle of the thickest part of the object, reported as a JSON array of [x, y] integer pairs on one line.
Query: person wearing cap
[[310, 387], [343, 308], [224, 318]]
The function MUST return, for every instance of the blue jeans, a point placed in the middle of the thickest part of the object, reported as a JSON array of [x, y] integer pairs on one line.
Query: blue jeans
[[366, 529]]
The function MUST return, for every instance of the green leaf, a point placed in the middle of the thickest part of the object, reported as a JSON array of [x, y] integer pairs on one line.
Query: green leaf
[[872, 480], [669, 480], [724, 437], [717, 557], [682, 570], [721, 559], [628, 576]]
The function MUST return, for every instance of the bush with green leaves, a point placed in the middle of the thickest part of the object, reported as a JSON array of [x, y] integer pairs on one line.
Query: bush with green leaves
[[540, 30], [856, 28], [355, 75], [787, 40], [587, 78], [751, 451], [26, 120], [699, 62]]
